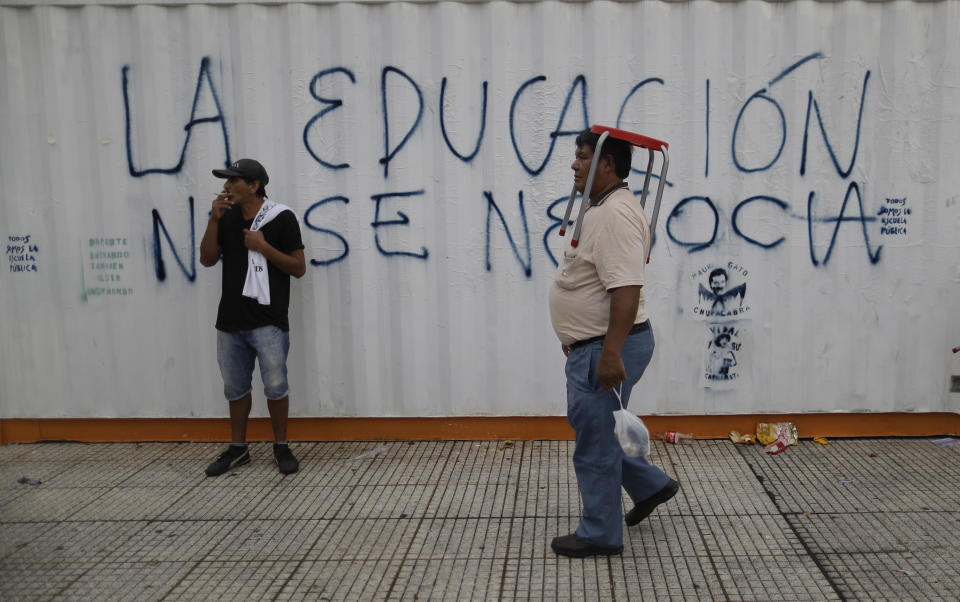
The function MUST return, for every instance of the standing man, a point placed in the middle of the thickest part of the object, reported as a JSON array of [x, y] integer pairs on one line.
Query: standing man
[[259, 242], [598, 312]]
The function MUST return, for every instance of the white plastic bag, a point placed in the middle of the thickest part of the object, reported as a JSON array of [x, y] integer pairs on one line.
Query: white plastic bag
[[630, 431]]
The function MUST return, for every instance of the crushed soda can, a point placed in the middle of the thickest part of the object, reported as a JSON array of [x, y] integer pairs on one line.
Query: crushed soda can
[[748, 439], [768, 432]]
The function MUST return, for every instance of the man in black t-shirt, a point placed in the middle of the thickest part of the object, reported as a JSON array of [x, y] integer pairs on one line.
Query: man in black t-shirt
[[260, 245]]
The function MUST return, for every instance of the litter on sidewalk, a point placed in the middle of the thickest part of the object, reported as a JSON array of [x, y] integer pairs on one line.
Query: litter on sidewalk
[[947, 442], [768, 432], [373, 453], [777, 436]]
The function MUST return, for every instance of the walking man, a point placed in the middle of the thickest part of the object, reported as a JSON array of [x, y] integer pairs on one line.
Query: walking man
[[260, 245], [598, 312]]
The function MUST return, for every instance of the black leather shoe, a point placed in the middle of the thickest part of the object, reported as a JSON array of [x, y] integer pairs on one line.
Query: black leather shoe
[[573, 546], [643, 509]]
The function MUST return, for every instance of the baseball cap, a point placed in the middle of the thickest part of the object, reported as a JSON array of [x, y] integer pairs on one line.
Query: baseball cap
[[248, 169]]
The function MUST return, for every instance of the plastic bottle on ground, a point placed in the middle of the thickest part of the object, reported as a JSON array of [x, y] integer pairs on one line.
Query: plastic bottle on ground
[[674, 437]]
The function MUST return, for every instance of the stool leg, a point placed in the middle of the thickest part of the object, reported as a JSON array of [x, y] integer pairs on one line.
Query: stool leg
[[586, 191]]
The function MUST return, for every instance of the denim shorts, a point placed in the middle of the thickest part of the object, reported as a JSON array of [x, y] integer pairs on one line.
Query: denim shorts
[[236, 352]]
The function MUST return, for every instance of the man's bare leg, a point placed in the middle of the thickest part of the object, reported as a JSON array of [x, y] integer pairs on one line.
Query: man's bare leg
[[239, 413], [279, 408]]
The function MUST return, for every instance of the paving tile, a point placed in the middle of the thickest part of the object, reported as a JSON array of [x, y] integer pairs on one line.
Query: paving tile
[[364, 539], [167, 472], [86, 473], [251, 540], [879, 575], [31, 581], [484, 462], [543, 497], [74, 542], [299, 502], [462, 538], [39, 504], [563, 578], [747, 535], [480, 500], [448, 579], [13, 452], [422, 463], [254, 580], [764, 578], [717, 498], [387, 501], [865, 532], [910, 555], [202, 453], [667, 537], [141, 581], [341, 580], [134, 454], [172, 541], [16, 536], [546, 484], [131, 503], [530, 579], [212, 503], [340, 451], [901, 475], [7, 496], [638, 577], [67, 452], [712, 459], [44, 471], [344, 475], [530, 537]]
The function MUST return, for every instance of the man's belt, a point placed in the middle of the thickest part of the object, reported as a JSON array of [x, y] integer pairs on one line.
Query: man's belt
[[638, 327]]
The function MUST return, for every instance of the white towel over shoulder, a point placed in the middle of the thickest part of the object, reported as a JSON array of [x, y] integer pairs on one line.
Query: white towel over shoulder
[[257, 285]]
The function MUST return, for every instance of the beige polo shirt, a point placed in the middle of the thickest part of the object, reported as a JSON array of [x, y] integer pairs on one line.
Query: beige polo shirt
[[614, 242]]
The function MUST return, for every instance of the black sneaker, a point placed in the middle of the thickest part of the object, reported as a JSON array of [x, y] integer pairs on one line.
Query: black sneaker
[[284, 459], [234, 456], [574, 547], [643, 509]]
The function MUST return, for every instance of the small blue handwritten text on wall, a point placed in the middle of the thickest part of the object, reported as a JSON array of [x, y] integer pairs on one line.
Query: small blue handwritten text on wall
[[894, 215], [22, 254]]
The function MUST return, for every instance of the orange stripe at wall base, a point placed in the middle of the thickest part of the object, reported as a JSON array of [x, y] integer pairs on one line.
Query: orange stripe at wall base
[[475, 428]]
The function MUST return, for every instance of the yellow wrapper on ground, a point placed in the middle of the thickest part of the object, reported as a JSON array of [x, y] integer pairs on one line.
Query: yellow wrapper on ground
[[821, 440], [736, 437], [768, 432]]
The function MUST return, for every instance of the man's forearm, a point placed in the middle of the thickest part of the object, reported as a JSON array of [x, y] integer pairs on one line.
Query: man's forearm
[[292, 264], [209, 251], [624, 303]]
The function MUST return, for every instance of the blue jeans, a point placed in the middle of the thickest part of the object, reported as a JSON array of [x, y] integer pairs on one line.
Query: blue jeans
[[598, 460], [236, 352]]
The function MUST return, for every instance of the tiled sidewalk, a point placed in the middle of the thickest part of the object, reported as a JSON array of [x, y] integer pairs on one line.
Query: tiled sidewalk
[[856, 519]]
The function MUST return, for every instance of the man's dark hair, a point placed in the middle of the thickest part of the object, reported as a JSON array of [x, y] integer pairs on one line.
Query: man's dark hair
[[721, 337], [620, 151], [261, 189], [717, 272]]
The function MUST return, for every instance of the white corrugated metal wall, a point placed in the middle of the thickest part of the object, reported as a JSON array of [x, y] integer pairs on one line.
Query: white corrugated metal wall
[[424, 148]]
